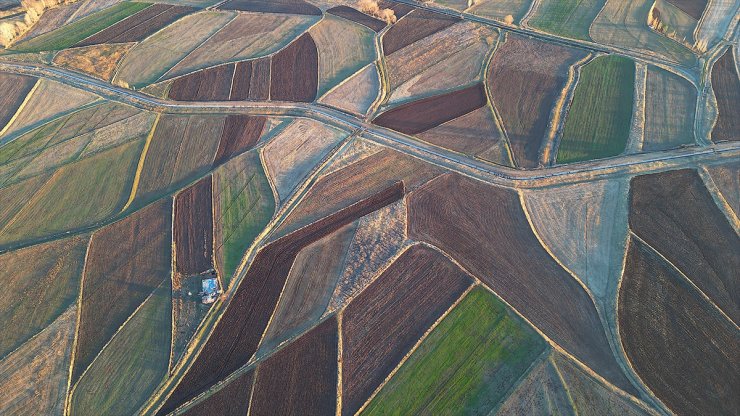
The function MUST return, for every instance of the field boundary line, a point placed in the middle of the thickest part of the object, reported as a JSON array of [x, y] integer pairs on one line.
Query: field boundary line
[[497, 119], [636, 137], [539, 360], [416, 345], [22, 106], [719, 198], [173, 265], [701, 293], [140, 165], [565, 385]]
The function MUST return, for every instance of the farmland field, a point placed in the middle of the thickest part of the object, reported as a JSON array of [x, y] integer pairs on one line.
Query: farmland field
[[97, 60], [726, 86], [415, 26], [71, 34], [526, 94], [126, 262], [243, 204], [239, 135], [598, 122], [272, 6], [467, 364], [497, 9], [473, 133], [658, 308], [382, 324], [727, 179], [294, 71], [15, 88], [675, 214], [494, 242], [311, 358], [694, 8], [230, 400], [251, 80], [193, 228], [357, 16], [569, 18], [670, 102], [676, 19], [357, 93], [542, 392]]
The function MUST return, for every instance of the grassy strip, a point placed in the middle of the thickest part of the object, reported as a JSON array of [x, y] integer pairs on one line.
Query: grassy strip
[[598, 123], [246, 207], [569, 18], [69, 35], [466, 365]]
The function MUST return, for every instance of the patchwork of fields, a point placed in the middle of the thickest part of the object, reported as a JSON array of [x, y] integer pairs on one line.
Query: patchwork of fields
[[324, 207]]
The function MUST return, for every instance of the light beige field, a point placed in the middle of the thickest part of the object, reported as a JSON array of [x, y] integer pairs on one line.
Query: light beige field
[[357, 93], [624, 24], [585, 227], [153, 57], [249, 35], [344, 48], [34, 378], [98, 60], [670, 104], [50, 99], [430, 65], [292, 154], [540, 393]]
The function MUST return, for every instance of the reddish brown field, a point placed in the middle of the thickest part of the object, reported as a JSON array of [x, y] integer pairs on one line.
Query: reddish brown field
[[230, 400], [272, 6], [237, 335], [240, 134], [355, 182], [300, 379], [421, 115], [358, 17], [294, 73], [490, 237], [676, 215], [126, 261], [212, 84], [526, 77], [726, 88], [417, 25], [693, 8], [138, 26], [14, 88], [681, 347], [193, 228], [382, 324], [251, 80]]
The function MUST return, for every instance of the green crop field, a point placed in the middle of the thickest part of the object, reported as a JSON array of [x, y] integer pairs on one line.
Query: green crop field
[[599, 119], [69, 35], [466, 365], [569, 18], [245, 203]]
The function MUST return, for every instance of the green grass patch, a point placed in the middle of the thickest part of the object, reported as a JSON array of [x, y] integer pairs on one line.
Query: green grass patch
[[599, 119], [466, 365], [69, 35], [568, 18], [246, 205], [131, 366]]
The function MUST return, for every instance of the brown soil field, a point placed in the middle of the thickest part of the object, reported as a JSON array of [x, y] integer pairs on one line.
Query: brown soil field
[[138, 26], [727, 179], [683, 349], [193, 228], [237, 335], [212, 84], [251, 80], [33, 378], [526, 78], [400, 9], [182, 148], [231, 400], [294, 73], [726, 86], [472, 133], [40, 282], [676, 215], [358, 17], [311, 360], [14, 88], [272, 6], [126, 261], [491, 238], [381, 324], [421, 115], [240, 134], [693, 8], [309, 287], [97, 60], [417, 25], [187, 313], [355, 182]]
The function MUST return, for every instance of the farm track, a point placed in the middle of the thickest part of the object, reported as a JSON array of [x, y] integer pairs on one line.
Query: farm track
[[500, 175]]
